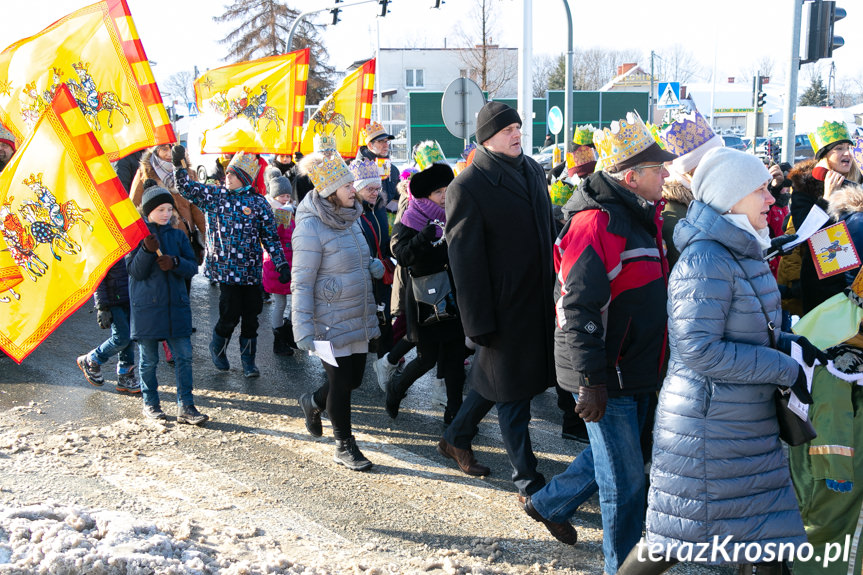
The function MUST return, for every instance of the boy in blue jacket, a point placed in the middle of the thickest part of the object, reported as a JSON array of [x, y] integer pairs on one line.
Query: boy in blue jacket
[[239, 220], [158, 269]]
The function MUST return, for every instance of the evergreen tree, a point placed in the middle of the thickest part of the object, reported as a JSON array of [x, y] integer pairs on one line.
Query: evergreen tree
[[815, 94], [263, 30]]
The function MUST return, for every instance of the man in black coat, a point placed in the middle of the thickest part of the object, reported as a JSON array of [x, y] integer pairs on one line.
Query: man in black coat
[[500, 233]]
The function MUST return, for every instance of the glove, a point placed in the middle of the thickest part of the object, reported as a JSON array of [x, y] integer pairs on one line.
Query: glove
[[306, 344], [178, 155], [779, 241], [810, 352], [151, 243], [166, 263], [839, 485], [285, 274], [483, 339], [591, 402], [429, 233], [799, 388], [104, 318], [376, 268]]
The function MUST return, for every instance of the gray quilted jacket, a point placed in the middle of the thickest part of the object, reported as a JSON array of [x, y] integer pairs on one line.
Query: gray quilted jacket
[[331, 285], [718, 466]]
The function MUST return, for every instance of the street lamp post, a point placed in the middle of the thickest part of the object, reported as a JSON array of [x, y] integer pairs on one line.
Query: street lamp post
[[567, 103]]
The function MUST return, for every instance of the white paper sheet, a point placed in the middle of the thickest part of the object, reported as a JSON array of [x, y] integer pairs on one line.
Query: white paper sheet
[[813, 222], [325, 351]]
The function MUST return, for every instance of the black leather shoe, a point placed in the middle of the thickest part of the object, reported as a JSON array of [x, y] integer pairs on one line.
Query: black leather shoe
[[563, 532]]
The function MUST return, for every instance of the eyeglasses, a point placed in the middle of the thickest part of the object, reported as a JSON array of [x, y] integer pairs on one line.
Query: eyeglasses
[[643, 166]]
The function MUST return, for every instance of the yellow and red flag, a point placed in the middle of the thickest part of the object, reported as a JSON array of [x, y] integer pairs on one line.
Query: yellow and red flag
[[10, 273], [96, 53], [65, 219], [833, 251], [254, 106], [345, 112]]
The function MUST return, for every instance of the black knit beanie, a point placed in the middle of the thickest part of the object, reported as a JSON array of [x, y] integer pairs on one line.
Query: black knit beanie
[[494, 117], [155, 197]]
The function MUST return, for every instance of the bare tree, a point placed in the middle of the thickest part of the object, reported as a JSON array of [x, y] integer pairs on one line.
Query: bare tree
[[181, 86], [848, 92], [677, 64], [763, 66], [491, 67], [543, 66], [263, 30]]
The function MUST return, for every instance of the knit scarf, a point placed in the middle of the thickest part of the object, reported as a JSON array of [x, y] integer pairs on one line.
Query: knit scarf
[[165, 170], [337, 218], [742, 222], [421, 212]]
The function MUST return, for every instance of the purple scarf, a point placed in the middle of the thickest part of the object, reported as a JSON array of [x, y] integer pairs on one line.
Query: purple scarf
[[421, 212]]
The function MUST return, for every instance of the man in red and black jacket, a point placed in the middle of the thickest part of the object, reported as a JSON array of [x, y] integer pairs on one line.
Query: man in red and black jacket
[[610, 336]]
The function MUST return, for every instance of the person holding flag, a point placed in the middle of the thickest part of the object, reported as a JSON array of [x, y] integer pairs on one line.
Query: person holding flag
[[240, 220]]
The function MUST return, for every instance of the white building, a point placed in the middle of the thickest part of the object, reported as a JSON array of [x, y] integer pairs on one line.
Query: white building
[[404, 70]]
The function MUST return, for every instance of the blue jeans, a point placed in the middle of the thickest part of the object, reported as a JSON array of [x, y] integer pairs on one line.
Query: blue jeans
[[119, 342], [181, 349], [614, 466]]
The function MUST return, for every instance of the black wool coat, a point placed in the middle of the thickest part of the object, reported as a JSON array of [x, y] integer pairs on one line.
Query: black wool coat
[[500, 232]]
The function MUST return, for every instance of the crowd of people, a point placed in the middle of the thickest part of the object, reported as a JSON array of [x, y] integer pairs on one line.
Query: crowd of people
[[646, 279]]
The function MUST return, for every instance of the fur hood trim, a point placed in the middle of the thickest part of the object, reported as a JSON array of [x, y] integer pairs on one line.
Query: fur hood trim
[[845, 200], [677, 192]]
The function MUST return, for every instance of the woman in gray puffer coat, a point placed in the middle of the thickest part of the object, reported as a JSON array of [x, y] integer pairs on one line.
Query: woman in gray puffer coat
[[719, 472], [332, 299]]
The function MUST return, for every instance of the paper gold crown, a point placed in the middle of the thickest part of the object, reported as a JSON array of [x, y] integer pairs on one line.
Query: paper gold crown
[[623, 140], [365, 172], [246, 162], [583, 135], [827, 133], [372, 131], [580, 156], [324, 144], [687, 132], [427, 153], [330, 175]]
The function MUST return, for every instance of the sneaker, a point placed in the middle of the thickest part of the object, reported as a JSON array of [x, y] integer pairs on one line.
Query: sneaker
[[438, 394], [385, 371], [154, 412], [190, 414], [92, 370], [349, 455], [313, 415], [127, 382]]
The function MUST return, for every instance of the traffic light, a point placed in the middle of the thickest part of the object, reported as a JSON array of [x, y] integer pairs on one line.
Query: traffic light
[[384, 6], [761, 97], [335, 12], [437, 3], [819, 38]]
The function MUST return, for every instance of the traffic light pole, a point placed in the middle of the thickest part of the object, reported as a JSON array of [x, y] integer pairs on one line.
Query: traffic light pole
[[303, 15], [788, 139]]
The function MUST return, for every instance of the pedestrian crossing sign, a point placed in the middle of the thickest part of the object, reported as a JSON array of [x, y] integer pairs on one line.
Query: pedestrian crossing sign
[[668, 95]]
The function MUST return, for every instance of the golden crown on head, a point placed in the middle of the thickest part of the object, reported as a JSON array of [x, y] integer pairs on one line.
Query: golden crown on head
[[324, 144], [827, 133], [624, 139], [583, 135], [330, 174], [364, 169], [246, 162], [372, 131]]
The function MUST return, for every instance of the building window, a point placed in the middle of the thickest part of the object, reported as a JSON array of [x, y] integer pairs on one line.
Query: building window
[[414, 78]]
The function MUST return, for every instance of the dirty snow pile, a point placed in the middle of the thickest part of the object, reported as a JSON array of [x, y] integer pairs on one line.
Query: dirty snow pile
[[60, 540]]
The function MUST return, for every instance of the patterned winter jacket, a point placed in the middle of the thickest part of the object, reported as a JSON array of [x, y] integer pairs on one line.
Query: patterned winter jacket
[[239, 222]]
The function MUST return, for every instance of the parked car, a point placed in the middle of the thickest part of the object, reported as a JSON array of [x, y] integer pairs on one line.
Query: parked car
[[802, 148], [544, 156], [734, 142]]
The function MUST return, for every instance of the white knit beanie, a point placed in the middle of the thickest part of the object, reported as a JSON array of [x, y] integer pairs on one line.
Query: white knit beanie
[[725, 176]]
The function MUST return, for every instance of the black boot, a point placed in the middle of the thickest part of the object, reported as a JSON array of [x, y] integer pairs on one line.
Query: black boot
[[280, 344], [248, 348], [288, 334], [349, 455], [395, 395], [639, 562]]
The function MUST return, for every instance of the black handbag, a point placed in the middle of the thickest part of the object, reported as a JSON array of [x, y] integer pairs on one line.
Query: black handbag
[[792, 430], [433, 294]]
